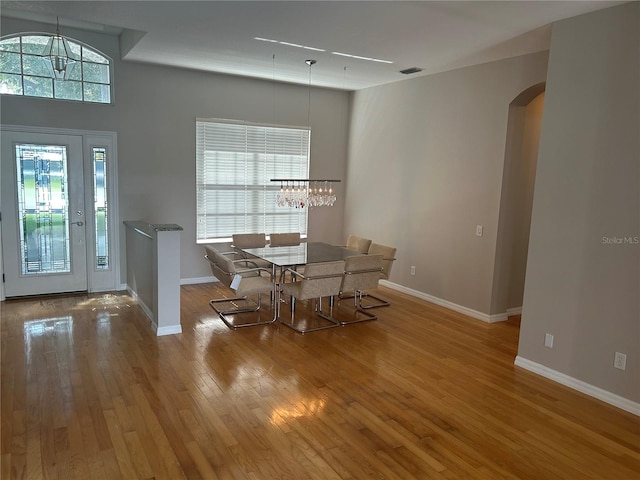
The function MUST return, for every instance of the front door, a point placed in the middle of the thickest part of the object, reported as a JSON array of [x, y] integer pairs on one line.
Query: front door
[[43, 213]]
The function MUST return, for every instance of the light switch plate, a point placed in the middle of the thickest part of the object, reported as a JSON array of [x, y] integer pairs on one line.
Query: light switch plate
[[548, 340]]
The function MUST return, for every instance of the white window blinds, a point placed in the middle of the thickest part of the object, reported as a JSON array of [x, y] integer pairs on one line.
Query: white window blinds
[[234, 165]]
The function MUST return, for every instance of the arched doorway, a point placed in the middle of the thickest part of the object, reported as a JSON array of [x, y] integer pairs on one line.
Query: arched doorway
[[516, 201]]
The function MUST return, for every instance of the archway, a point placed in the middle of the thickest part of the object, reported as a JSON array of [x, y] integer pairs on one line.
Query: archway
[[516, 201]]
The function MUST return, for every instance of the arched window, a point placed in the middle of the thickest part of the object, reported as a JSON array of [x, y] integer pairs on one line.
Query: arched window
[[24, 70]]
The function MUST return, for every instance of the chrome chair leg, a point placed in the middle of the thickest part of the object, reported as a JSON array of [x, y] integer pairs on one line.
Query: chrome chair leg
[[317, 309], [357, 303], [381, 302], [223, 314]]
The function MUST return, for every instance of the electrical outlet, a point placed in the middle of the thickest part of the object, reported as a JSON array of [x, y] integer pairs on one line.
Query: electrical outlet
[[548, 340], [478, 230], [413, 269], [620, 361]]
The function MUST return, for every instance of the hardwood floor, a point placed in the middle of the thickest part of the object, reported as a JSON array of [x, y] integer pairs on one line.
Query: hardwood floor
[[88, 392]]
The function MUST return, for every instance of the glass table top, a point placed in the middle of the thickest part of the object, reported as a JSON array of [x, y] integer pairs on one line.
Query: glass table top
[[311, 252]]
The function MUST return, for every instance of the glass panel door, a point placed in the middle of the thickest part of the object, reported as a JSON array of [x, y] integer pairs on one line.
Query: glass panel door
[[43, 208], [43, 227]]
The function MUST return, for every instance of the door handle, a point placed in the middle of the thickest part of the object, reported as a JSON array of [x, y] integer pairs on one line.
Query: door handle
[[78, 223]]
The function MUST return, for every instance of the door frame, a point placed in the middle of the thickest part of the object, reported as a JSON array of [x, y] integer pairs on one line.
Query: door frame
[[97, 280]]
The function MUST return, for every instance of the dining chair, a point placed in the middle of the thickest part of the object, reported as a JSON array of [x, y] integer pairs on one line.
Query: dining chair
[[388, 257], [243, 282], [319, 280], [358, 244], [284, 239], [250, 240], [361, 272]]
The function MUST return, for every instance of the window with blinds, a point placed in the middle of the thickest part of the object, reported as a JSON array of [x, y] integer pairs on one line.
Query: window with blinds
[[234, 165]]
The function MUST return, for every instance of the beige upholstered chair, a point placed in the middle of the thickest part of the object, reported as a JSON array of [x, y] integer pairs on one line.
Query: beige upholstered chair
[[250, 240], [388, 256], [319, 280], [358, 244], [284, 239], [361, 272], [244, 282]]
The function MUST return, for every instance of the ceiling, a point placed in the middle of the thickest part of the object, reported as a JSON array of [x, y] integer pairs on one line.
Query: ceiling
[[220, 36]]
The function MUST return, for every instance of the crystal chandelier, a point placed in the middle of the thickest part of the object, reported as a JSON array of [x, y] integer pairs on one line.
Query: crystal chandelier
[[300, 193]]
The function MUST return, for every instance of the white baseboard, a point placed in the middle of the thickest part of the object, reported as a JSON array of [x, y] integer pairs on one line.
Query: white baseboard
[[586, 388], [196, 280], [108, 289], [147, 311], [171, 330], [514, 311], [500, 317], [183, 281]]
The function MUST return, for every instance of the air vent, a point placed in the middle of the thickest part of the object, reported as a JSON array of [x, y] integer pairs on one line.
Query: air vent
[[409, 71]]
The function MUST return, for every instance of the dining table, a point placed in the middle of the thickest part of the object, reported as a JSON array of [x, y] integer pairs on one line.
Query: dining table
[[293, 256]]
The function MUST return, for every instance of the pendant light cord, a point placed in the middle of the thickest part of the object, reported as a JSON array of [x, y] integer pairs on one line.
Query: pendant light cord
[[310, 63]]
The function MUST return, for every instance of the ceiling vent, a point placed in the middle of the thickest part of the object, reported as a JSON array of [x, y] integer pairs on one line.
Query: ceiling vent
[[409, 71]]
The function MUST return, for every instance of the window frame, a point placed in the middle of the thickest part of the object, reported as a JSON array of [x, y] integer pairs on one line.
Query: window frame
[[267, 159], [82, 81]]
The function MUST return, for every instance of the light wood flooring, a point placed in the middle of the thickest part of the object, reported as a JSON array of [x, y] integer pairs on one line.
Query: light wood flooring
[[88, 392]]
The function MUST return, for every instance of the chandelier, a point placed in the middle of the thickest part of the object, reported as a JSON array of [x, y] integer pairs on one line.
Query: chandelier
[[59, 57], [300, 193]]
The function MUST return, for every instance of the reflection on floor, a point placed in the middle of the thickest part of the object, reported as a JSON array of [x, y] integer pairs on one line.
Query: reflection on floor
[[89, 392]]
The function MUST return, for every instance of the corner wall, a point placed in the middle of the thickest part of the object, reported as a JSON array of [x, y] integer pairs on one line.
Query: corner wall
[[426, 157], [583, 273]]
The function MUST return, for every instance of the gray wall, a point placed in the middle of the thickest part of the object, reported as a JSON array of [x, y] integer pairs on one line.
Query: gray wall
[[426, 159], [523, 201], [581, 287], [518, 180], [154, 116]]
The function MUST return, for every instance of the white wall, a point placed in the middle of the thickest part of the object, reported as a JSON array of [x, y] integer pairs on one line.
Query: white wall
[[154, 117], [580, 287], [426, 157]]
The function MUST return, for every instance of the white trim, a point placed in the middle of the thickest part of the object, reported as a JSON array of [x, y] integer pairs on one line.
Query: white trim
[[514, 311], [500, 317], [170, 330], [250, 124], [196, 280], [496, 317], [100, 279], [105, 290], [145, 308], [586, 388], [93, 285], [52, 130]]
